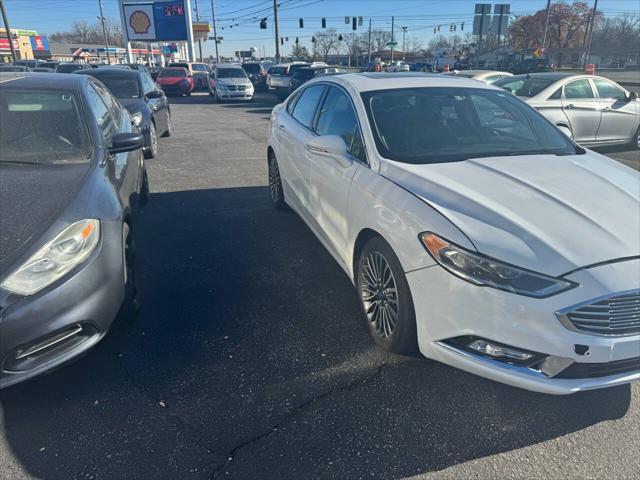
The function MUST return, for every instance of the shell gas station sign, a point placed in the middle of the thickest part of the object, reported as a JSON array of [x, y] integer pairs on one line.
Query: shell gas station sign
[[158, 21]]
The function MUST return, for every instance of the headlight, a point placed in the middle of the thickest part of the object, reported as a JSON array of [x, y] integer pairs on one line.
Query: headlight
[[486, 271], [56, 258]]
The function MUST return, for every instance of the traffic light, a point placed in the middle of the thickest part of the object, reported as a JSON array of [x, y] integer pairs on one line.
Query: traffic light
[[340, 37], [297, 41], [462, 26], [313, 39], [281, 40], [263, 24], [434, 30], [438, 27], [324, 23], [301, 23], [354, 24]]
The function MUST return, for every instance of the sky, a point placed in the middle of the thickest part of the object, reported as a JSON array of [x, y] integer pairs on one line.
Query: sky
[[238, 20]]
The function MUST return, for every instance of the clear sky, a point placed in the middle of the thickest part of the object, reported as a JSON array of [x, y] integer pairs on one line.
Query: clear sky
[[238, 19]]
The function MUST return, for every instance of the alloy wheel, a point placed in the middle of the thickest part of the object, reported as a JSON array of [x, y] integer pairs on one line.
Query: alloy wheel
[[379, 294], [274, 180]]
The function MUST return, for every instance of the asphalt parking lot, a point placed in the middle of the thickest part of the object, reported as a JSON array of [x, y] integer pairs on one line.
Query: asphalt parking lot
[[250, 359]]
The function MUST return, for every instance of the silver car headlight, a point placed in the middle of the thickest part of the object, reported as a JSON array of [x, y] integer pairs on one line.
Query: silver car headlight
[[485, 271], [55, 259]]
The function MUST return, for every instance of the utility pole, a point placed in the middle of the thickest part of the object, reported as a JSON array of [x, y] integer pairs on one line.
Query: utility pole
[[197, 20], [215, 30], [546, 24], [590, 32], [104, 32], [369, 44], [275, 24], [404, 49], [393, 39], [7, 30]]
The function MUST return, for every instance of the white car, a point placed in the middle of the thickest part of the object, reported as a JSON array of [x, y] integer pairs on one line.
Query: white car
[[398, 67], [473, 229], [230, 82]]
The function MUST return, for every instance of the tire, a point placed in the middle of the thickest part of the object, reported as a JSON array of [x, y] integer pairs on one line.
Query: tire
[[275, 184], [388, 310], [189, 93], [152, 150], [216, 99], [131, 304], [635, 141], [167, 132]]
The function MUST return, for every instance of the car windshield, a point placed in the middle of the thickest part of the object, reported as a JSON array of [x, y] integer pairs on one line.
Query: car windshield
[[42, 127], [437, 125], [13, 68], [524, 87], [199, 67], [172, 72], [231, 73], [121, 87], [67, 67]]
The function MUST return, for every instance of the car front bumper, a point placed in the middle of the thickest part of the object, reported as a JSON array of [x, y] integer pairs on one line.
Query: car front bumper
[[235, 95], [448, 307], [77, 311]]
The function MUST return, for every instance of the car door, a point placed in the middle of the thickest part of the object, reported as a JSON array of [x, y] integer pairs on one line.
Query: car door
[[158, 104], [619, 115], [582, 109], [113, 119], [331, 177], [294, 130]]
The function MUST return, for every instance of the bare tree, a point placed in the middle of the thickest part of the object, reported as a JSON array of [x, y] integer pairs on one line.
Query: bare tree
[[379, 40], [325, 44]]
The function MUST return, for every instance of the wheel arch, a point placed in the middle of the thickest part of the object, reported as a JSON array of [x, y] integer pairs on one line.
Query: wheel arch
[[362, 238]]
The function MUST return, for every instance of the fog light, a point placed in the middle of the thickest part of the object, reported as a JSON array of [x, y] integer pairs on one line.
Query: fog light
[[498, 351]]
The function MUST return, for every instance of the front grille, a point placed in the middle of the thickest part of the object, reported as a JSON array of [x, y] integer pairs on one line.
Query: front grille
[[616, 315], [596, 370]]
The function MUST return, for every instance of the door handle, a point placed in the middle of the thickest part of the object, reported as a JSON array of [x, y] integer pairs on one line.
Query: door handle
[[281, 127], [606, 109], [571, 106]]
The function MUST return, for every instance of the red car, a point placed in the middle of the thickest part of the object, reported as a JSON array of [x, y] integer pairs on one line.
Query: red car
[[176, 81]]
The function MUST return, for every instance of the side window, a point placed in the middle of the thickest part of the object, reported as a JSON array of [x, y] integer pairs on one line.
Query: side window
[[102, 115], [557, 95], [608, 90], [147, 83], [292, 102], [580, 89], [337, 117], [110, 101], [305, 108]]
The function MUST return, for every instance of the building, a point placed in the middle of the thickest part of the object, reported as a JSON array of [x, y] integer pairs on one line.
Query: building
[[21, 43]]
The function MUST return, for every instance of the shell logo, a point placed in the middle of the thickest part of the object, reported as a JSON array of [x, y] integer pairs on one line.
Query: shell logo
[[140, 22]]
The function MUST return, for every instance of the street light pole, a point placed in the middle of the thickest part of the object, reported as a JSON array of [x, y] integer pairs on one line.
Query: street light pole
[[393, 19], [404, 49], [104, 32], [546, 24], [275, 24], [590, 32], [369, 44], [197, 20], [215, 31], [7, 30]]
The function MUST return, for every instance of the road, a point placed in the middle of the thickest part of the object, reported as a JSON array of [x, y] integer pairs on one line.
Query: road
[[250, 359]]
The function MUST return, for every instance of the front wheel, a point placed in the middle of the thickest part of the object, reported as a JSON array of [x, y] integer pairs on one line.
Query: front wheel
[[131, 305], [152, 148], [167, 132], [386, 299], [635, 141]]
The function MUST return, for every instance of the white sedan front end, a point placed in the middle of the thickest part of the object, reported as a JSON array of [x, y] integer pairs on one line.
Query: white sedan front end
[[474, 231]]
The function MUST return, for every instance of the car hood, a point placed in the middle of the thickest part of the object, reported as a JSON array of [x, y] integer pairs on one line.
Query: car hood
[[547, 213], [32, 199], [233, 81]]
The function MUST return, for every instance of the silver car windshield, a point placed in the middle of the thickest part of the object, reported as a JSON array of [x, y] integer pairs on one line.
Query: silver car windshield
[[42, 127], [436, 125]]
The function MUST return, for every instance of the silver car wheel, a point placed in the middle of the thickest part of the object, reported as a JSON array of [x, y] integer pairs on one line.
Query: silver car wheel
[[274, 180], [379, 294]]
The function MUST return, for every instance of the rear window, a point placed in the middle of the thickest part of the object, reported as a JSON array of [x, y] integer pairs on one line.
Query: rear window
[[199, 67], [230, 73], [176, 64], [121, 87], [277, 71], [172, 72], [524, 87], [294, 68], [42, 127], [67, 68]]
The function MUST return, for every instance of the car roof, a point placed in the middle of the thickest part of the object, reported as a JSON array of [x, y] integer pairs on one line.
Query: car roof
[[229, 65], [546, 75], [42, 80], [388, 80]]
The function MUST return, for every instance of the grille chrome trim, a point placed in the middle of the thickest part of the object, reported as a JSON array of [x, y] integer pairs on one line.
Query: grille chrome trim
[[612, 315]]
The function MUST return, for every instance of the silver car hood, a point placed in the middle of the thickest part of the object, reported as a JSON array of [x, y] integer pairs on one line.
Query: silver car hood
[[548, 213]]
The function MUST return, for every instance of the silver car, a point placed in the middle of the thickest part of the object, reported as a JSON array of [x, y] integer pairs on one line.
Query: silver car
[[230, 82], [593, 110], [486, 76]]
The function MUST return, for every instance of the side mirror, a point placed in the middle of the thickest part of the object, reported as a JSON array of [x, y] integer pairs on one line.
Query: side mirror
[[126, 142], [154, 94], [632, 96], [331, 146], [565, 130]]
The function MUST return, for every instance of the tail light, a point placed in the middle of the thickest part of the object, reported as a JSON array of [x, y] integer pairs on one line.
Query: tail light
[[263, 74]]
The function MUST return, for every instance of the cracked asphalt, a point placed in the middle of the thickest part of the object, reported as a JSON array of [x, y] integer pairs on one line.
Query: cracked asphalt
[[250, 359]]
